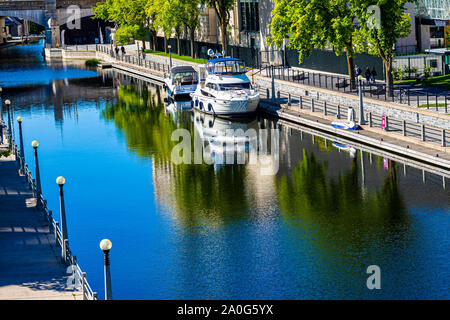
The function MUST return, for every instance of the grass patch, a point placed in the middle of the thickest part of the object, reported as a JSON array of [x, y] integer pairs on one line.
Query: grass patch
[[92, 62], [440, 82], [433, 106], [175, 56]]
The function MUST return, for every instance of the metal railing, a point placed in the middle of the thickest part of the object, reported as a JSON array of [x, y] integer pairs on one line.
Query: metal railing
[[139, 61], [420, 98], [385, 122], [41, 204]]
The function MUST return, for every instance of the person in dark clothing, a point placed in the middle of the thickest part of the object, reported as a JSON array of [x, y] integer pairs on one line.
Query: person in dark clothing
[[117, 51], [373, 74], [123, 50], [367, 74], [358, 71]]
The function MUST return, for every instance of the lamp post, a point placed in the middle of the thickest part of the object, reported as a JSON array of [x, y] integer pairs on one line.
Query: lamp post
[[272, 69], [361, 102], [65, 237], [170, 55], [22, 153], [106, 245], [35, 145], [7, 103]]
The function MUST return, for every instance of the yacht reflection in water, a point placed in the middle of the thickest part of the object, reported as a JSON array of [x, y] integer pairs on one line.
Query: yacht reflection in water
[[230, 142]]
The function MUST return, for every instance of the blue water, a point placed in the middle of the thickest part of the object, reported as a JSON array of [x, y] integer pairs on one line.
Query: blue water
[[206, 232]]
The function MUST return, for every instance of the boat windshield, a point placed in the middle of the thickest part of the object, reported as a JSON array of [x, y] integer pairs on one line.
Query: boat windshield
[[227, 67], [234, 86], [185, 78]]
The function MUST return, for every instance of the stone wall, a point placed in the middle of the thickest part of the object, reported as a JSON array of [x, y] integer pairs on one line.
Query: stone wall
[[370, 105]]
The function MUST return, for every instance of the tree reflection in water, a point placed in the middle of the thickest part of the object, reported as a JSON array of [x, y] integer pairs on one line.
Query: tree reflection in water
[[198, 195]]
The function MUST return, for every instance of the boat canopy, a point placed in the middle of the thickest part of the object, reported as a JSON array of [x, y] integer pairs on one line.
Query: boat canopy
[[225, 66], [181, 69]]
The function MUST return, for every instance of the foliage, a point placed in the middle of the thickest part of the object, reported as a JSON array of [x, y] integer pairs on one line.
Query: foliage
[[397, 74], [5, 153], [427, 71], [129, 15], [92, 62], [222, 9], [380, 39], [310, 24]]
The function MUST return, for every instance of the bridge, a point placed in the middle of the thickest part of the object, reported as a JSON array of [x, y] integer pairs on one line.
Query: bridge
[[51, 14]]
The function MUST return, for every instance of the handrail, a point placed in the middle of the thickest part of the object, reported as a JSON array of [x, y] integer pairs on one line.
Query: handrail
[[53, 225]]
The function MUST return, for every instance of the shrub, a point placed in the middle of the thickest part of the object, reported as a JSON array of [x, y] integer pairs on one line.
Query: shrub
[[92, 62]]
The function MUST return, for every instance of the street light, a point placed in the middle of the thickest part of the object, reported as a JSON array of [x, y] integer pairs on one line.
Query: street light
[[65, 237], [106, 245], [361, 103], [22, 154], [35, 145], [7, 103], [170, 55]]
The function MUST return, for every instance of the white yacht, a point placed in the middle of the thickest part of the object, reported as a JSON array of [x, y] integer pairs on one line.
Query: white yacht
[[226, 90], [182, 81]]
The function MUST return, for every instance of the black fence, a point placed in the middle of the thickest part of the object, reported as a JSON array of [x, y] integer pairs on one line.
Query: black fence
[[250, 56], [411, 96]]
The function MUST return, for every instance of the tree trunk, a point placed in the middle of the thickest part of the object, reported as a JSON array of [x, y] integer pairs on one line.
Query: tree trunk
[[223, 33], [178, 44], [155, 41], [143, 44], [192, 34], [388, 75], [351, 69], [165, 44]]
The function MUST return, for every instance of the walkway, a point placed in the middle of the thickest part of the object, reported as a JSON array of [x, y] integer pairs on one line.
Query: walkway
[[30, 267]]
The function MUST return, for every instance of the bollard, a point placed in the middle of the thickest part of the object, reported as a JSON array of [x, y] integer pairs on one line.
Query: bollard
[[324, 108], [387, 124], [423, 132], [312, 105], [278, 95], [300, 103], [338, 115], [445, 104], [370, 120], [289, 99], [444, 144], [268, 95], [404, 128], [437, 106]]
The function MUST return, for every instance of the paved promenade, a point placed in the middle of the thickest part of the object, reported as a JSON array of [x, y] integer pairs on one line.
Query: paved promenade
[[30, 267]]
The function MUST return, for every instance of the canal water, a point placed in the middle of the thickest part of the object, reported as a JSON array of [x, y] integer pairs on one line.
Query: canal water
[[310, 230]]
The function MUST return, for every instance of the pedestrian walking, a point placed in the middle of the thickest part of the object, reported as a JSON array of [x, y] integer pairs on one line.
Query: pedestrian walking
[[373, 74], [368, 74], [358, 72], [123, 50], [117, 51]]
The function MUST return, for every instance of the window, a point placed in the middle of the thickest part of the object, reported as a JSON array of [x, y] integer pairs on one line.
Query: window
[[234, 86], [249, 17]]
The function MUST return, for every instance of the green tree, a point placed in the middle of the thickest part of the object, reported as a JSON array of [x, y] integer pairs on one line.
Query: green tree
[[129, 15], [222, 9], [191, 19], [378, 34], [310, 24]]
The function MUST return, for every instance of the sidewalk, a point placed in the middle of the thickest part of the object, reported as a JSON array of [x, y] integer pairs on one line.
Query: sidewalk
[[30, 267]]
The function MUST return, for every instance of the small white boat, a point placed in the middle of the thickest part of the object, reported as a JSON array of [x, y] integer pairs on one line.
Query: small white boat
[[348, 124], [182, 81], [226, 91]]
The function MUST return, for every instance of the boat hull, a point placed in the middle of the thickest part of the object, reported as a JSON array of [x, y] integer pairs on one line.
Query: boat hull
[[225, 108]]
